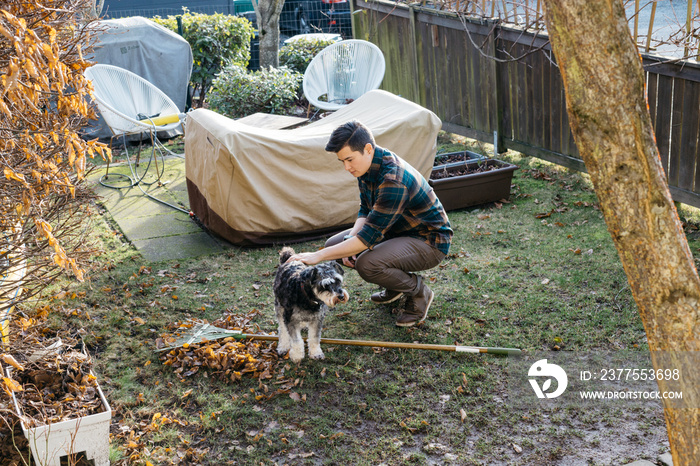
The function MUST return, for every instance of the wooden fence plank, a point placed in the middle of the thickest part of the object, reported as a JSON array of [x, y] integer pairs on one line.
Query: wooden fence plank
[[651, 88], [427, 58], [480, 90], [677, 116], [663, 119], [505, 81], [537, 102], [453, 72], [545, 123], [689, 136], [558, 130], [468, 88]]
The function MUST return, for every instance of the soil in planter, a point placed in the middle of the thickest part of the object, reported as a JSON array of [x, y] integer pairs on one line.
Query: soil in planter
[[466, 170], [443, 159]]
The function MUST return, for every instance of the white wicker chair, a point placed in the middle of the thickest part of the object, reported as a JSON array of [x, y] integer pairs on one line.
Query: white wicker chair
[[342, 72], [131, 105]]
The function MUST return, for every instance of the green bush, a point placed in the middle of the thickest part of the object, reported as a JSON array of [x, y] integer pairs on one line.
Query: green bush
[[298, 55], [236, 92], [216, 40]]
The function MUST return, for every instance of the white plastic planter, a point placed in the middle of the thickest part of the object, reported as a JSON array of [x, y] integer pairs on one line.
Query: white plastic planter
[[87, 434]]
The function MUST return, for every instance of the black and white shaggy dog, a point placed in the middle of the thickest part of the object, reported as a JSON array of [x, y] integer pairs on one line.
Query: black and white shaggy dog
[[303, 294]]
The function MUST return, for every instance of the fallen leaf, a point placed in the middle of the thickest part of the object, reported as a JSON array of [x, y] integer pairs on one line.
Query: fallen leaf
[[295, 396], [545, 281], [12, 385], [517, 448], [463, 414], [9, 359]]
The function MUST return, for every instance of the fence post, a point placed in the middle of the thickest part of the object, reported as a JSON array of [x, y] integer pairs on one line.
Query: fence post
[[497, 122], [414, 56]]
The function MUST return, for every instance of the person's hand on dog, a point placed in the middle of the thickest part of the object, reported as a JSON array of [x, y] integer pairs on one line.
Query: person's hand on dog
[[348, 251], [308, 258]]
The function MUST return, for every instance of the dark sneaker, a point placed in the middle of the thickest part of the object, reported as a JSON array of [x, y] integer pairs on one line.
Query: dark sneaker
[[385, 296], [416, 308]]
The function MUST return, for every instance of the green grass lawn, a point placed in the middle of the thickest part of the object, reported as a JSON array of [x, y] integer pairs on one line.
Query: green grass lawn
[[538, 272]]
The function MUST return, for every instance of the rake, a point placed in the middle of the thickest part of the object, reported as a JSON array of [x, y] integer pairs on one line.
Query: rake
[[206, 332]]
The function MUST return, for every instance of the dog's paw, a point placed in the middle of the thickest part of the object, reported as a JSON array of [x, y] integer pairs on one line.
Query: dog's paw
[[316, 354], [296, 354], [283, 347]]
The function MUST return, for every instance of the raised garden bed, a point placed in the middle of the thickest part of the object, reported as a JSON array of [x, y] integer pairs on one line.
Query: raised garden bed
[[62, 408], [455, 158], [465, 184]]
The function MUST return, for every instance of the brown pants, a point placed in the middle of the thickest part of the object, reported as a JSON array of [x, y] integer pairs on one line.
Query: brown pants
[[390, 263]]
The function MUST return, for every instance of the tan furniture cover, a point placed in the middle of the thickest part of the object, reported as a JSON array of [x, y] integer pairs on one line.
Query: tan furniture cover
[[255, 186]]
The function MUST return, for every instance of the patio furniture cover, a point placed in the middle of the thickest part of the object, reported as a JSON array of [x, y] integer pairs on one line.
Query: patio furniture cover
[[147, 49], [257, 186]]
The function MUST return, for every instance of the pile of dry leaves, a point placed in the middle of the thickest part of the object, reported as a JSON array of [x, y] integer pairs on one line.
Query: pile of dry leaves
[[51, 379], [226, 357]]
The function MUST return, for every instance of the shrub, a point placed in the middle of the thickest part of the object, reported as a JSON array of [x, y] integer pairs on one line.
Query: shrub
[[298, 54], [216, 40], [44, 104], [236, 92]]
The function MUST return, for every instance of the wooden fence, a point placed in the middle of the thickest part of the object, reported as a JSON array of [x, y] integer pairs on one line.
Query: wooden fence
[[464, 70]]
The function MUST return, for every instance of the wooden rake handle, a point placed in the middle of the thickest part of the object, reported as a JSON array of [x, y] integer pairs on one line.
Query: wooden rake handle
[[392, 344]]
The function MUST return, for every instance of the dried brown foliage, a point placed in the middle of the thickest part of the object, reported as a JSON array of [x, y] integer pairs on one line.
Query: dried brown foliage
[[53, 385], [51, 379], [228, 358], [42, 157]]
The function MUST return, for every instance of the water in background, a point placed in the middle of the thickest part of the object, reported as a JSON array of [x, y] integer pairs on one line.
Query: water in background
[[669, 19]]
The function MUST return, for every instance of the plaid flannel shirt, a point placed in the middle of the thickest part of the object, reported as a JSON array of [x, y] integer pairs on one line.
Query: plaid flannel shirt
[[397, 201]]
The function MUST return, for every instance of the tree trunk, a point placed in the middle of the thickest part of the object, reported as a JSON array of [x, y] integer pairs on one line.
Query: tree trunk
[[604, 83], [267, 13]]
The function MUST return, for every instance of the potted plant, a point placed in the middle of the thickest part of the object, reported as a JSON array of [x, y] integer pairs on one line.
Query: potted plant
[[464, 179], [62, 409]]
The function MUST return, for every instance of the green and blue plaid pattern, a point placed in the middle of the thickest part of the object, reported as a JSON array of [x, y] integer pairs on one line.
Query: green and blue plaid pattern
[[397, 201]]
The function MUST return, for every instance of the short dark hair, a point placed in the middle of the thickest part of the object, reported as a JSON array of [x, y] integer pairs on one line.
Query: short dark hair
[[353, 134]]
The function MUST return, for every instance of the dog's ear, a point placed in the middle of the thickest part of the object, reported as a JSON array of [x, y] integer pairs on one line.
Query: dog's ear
[[285, 254], [338, 268], [310, 274]]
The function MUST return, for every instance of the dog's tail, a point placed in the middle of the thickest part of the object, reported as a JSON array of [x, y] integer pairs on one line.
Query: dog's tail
[[285, 254]]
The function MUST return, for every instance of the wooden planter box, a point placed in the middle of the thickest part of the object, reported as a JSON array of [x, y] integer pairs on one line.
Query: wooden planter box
[[458, 157], [86, 434], [460, 191]]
